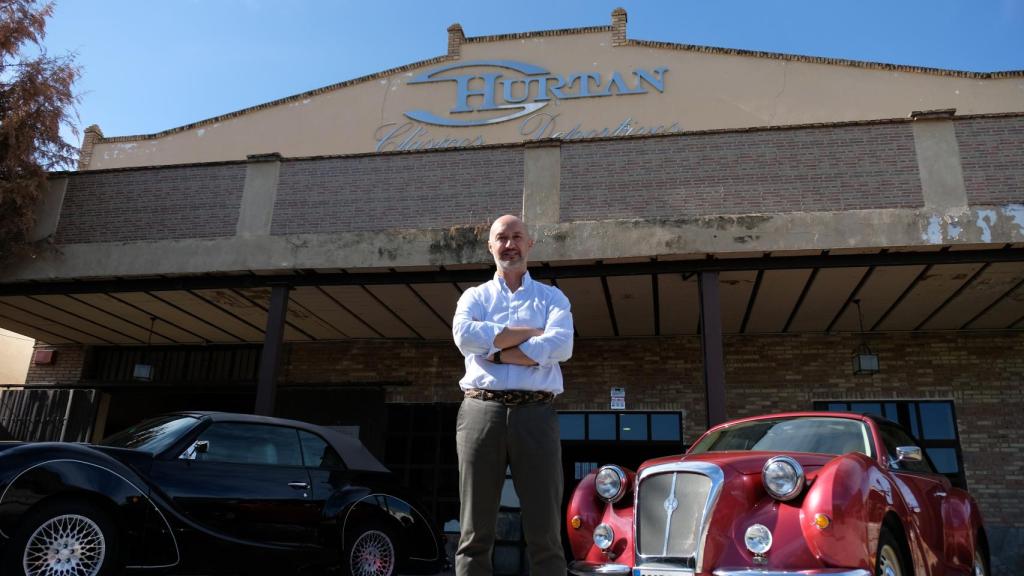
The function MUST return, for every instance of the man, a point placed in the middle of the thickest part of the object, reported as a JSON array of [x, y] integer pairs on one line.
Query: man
[[513, 332]]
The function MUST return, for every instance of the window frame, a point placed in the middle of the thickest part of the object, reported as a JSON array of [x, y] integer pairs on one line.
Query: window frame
[[214, 425], [302, 452]]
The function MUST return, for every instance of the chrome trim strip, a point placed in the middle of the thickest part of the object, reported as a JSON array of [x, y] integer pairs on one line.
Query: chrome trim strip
[[717, 477], [668, 520], [177, 551]]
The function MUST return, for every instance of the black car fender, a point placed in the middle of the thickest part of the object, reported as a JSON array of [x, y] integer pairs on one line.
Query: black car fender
[[41, 472], [364, 508]]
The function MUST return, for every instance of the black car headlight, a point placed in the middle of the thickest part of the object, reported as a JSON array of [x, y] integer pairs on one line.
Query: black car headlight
[[611, 483], [783, 477]]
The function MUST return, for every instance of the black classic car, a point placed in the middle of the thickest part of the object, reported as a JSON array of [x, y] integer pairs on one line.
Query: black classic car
[[211, 492]]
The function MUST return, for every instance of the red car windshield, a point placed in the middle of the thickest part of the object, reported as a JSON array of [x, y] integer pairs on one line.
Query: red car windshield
[[816, 434]]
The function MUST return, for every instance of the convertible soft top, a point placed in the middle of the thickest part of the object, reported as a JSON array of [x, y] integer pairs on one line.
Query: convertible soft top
[[351, 450]]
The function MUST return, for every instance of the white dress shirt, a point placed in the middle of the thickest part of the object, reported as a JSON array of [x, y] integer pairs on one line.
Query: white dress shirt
[[485, 310]]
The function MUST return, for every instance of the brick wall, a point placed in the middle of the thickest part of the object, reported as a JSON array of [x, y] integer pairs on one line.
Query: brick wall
[[420, 371], [152, 204], [430, 190], [992, 157], [772, 171], [982, 373], [67, 369]]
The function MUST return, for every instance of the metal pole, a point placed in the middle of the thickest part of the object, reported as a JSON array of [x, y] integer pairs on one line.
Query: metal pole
[[711, 347], [270, 359]]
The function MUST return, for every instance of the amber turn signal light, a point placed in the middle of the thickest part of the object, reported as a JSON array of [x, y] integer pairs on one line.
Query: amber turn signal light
[[822, 521], [576, 522]]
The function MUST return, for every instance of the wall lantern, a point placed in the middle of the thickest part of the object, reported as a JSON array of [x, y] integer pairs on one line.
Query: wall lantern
[[143, 371], [865, 361], [44, 356]]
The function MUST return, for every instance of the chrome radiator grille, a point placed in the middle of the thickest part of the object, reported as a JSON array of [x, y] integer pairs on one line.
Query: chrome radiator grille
[[674, 502]]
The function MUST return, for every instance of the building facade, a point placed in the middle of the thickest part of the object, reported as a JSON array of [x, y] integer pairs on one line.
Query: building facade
[[732, 229]]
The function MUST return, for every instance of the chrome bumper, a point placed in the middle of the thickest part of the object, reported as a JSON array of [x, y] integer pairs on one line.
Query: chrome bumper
[[594, 568], [818, 572]]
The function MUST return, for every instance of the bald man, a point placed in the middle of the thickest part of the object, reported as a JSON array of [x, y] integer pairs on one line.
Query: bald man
[[513, 332]]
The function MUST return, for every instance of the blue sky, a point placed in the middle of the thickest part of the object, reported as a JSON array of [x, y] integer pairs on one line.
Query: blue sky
[[149, 65]]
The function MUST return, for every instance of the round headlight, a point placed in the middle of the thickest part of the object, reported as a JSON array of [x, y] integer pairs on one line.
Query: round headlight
[[758, 538], [604, 536], [610, 483], [783, 477]]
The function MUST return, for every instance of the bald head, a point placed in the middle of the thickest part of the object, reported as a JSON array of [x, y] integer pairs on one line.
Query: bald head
[[506, 221], [510, 243]]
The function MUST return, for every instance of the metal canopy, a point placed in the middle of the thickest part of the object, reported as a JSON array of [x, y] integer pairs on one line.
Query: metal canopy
[[767, 294]]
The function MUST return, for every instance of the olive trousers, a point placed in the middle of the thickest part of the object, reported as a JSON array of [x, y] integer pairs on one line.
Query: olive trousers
[[490, 437]]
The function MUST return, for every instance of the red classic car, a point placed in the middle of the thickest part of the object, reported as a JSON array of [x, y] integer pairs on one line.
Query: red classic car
[[808, 493]]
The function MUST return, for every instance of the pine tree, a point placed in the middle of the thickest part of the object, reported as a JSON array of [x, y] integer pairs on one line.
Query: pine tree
[[36, 100]]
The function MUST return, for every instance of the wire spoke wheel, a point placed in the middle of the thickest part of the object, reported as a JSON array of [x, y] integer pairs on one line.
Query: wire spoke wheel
[[65, 545], [372, 554], [889, 561]]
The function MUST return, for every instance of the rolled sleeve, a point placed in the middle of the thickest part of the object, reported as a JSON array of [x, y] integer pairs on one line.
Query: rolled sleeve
[[555, 345], [473, 336]]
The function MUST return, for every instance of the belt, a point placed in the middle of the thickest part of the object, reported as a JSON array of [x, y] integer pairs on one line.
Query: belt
[[511, 397]]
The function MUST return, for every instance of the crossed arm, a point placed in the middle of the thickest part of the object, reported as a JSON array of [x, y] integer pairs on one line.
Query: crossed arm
[[509, 339], [519, 345]]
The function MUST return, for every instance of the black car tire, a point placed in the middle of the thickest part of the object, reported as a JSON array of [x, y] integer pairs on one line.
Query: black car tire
[[891, 560], [64, 536], [371, 551]]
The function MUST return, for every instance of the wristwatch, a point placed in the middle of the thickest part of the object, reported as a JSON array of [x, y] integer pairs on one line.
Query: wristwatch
[[497, 357]]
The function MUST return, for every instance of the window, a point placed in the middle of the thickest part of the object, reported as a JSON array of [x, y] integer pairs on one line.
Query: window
[[317, 453], [931, 423], [894, 436], [621, 426], [252, 444], [153, 435]]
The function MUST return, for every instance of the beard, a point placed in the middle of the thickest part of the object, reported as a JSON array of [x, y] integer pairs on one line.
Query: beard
[[509, 261]]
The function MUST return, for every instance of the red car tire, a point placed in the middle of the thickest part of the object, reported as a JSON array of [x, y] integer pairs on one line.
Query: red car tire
[[891, 559]]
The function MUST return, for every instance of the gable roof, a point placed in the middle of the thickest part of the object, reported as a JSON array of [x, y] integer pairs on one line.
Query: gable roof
[[570, 32]]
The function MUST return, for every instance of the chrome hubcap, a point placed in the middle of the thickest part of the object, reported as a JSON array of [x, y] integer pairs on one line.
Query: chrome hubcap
[[68, 545], [373, 554], [889, 562]]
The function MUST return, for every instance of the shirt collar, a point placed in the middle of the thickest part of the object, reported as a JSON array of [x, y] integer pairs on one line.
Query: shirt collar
[[527, 280]]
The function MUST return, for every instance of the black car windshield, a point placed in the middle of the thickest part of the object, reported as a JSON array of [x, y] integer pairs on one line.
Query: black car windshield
[[822, 435], [153, 435]]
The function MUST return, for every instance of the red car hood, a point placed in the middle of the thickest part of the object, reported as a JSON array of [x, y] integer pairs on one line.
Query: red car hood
[[747, 462]]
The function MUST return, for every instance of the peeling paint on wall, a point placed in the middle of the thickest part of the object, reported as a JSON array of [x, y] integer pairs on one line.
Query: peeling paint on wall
[[986, 219], [953, 230], [934, 233], [1016, 213]]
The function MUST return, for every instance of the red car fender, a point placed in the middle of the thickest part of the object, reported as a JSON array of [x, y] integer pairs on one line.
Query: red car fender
[[962, 521], [855, 495], [592, 510]]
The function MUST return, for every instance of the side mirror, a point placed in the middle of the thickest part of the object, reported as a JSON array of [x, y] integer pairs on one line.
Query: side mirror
[[908, 454], [192, 452]]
